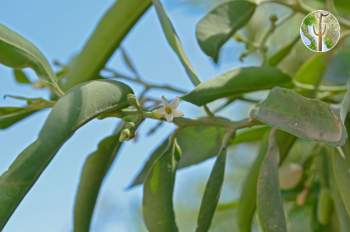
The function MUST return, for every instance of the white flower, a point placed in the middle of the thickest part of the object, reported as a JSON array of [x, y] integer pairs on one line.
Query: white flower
[[168, 110]]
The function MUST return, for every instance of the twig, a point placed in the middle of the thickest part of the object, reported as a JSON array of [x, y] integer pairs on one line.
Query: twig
[[144, 83]]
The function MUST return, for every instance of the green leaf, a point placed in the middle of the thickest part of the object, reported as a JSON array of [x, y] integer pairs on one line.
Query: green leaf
[[94, 171], [11, 115], [345, 104], [76, 108], [247, 202], [158, 212], [302, 117], [269, 199], [249, 135], [174, 41], [17, 52], [212, 193], [220, 24], [313, 70], [237, 81], [343, 216], [341, 172], [300, 219], [198, 143], [106, 38], [21, 77], [279, 56], [284, 142]]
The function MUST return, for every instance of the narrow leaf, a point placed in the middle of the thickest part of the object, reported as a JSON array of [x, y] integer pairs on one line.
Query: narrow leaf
[[174, 41], [11, 115], [220, 24], [72, 111], [106, 38], [158, 212], [17, 52], [301, 117], [94, 171], [247, 202], [237, 81], [343, 215], [313, 70], [249, 135], [212, 193], [341, 172], [279, 56], [198, 143], [269, 199]]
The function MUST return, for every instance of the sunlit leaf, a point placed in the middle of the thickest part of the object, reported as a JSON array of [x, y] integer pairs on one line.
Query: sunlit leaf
[[237, 81], [302, 117], [174, 41], [269, 199], [17, 52], [105, 39], [212, 193], [72, 111], [158, 212], [220, 24]]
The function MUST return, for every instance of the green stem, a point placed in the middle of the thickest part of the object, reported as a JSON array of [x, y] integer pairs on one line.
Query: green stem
[[226, 206], [322, 88]]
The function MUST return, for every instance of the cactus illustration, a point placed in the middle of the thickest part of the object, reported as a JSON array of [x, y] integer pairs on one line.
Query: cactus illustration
[[322, 29]]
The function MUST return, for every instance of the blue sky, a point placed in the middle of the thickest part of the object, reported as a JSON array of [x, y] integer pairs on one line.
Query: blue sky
[[59, 29]]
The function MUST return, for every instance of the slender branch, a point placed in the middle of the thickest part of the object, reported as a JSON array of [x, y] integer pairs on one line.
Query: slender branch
[[226, 206], [142, 82]]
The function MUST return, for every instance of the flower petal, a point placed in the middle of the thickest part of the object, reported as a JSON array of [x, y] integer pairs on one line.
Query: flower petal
[[160, 111], [169, 117], [175, 103], [164, 101], [177, 114]]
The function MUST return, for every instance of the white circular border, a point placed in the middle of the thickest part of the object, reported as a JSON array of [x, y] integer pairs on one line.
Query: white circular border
[[301, 36]]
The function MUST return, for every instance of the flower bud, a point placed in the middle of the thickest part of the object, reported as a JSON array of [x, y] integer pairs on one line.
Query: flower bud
[[133, 100], [238, 38], [129, 125], [125, 135], [273, 18]]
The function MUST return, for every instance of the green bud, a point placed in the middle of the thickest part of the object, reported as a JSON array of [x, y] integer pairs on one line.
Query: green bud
[[133, 100], [273, 18], [129, 125], [238, 38], [125, 135], [39, 85]]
